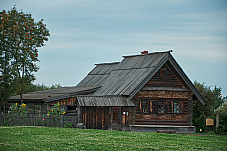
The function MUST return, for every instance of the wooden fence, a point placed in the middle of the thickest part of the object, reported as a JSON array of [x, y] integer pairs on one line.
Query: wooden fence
[[36, 120]]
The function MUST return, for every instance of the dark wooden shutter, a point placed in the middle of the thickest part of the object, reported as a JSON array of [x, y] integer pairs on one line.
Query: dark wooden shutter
[[165, 106], [156, 107]]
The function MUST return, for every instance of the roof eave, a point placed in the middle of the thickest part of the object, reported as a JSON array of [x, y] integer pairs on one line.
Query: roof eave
[[185, 78]]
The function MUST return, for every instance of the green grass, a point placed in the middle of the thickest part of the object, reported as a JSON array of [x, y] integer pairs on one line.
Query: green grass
[[42, 138]]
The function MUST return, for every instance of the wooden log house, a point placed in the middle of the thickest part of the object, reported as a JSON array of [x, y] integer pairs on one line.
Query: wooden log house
[[146, 92]]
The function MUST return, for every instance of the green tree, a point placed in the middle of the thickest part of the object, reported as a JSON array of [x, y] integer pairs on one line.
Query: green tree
[[20, 36], [55, 86], [222, 110], [212, 99], [36, 87], [221, 118]]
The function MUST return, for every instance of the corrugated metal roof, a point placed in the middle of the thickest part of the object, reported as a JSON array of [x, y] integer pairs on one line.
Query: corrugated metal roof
[[98, 75], [104, 101]]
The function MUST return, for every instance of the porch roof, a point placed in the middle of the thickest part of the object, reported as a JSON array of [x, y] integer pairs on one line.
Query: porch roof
[[104, 101]]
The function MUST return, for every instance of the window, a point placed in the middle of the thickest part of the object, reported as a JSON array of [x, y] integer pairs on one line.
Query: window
[[144, 107], [159, 106]]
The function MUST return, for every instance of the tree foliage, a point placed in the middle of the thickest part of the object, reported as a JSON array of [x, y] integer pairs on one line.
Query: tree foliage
[[221, 113], [37, 87], [20, 37], [222, 110], [212, 100]]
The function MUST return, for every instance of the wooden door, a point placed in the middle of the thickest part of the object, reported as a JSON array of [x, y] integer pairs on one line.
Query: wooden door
[[95, 118]]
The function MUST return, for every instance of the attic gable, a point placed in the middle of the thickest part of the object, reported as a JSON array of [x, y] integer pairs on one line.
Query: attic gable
[[175, 66], [166, 77]]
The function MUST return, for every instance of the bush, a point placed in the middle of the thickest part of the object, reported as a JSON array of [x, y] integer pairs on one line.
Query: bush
[[16, 108], [69, 125], [221, 129], [57, 110]]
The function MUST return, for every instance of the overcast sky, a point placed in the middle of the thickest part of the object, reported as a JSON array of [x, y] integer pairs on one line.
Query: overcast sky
[[85, 32]]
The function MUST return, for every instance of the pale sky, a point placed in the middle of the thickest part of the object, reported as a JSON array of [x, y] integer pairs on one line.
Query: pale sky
[[85, 32]]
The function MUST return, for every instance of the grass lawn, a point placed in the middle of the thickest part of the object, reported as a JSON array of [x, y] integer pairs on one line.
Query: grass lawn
[[42, 138]]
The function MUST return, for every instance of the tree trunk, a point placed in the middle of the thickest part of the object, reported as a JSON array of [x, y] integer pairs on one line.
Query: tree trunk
[[21, 98], [217, 120], [4, 107]]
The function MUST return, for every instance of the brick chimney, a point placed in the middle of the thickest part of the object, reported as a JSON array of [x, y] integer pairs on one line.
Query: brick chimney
[[144, 52]]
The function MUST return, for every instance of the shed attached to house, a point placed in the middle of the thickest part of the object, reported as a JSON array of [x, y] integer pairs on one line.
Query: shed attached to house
[[41, 101]]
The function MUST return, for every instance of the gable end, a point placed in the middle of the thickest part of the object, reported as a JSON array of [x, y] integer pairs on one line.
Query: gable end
[[184, 79], [165, 77]]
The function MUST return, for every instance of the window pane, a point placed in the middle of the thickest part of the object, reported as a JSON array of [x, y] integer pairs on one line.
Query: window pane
[[145, 106], [160, 107], [176, 107]]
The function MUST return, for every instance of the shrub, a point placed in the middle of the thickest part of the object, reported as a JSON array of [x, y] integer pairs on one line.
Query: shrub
[[221, 129], [15, 109], [57, 110], [69, 125]]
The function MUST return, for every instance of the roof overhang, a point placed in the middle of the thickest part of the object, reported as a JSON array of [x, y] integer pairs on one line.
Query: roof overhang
[[74, 94], [100, 101], [54, 94]]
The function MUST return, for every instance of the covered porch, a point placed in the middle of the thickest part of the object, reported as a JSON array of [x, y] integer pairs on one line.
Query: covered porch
[[105, 112]]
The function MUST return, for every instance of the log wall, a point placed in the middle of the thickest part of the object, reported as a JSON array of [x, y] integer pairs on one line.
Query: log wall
[[165, 77], [167, 115], [68, 101]]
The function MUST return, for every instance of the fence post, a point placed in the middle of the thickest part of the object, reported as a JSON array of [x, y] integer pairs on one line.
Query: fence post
[[18, 118], [61, 121], [53, 121]]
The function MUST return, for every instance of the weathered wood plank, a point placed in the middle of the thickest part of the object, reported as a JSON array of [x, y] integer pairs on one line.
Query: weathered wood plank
[[162, 94]]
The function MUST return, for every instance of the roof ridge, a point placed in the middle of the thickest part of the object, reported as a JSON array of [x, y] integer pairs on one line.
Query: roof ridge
[[132, 68], [158, 52], [100, 96], [108, 63]]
